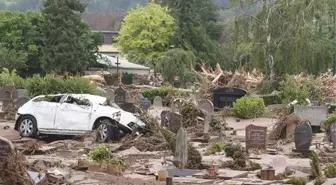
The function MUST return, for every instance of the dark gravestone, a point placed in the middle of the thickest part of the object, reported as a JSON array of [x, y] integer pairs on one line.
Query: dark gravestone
[[6, 149], [225, 97], [120, 95], [255, 137], [333, 134], [113, 132], [144, 104], [175, 122], [303, 138], [165, 117], [21, 101], [129, 107]]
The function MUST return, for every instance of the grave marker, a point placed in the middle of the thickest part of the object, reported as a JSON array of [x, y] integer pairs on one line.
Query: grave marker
[[333, 134], [225, 97], [120, 95], [175, 122], [181, 152], [208, 109], [303, 138], [6, 149], [144, 104], [255, 137], [18, 93], [7, 91], [165, 117], [21, 101], [157, 101]]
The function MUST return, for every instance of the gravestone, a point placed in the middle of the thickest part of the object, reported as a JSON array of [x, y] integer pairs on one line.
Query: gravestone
[[157, 101], [333, 134], [101, 92], [110, 94], [175, 122], [21, 101], [255, 137], [208, 109], [7, 91], [315, 114], [225, 97], [18, 93], [120, 95], [181, 149], [144, 104], [6, 149], [165, 117], [128, 107], [303, 138]]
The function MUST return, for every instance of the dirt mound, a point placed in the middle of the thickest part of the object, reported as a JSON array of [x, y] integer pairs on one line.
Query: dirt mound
[[145, 143]]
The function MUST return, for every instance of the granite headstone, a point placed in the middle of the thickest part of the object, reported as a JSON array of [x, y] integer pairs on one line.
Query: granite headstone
[[255, 137], [120, 96], [303, 138]]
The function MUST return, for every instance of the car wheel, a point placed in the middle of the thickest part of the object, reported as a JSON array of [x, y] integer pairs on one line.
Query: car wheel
[[28, 126], [103, 133]]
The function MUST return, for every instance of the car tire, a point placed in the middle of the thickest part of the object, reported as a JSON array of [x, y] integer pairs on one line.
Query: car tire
[[103, 127], [27, 126]]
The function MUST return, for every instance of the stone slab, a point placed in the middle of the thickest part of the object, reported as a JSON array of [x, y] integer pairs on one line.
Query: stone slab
[[191, 180], [315, 114], [182, 173]]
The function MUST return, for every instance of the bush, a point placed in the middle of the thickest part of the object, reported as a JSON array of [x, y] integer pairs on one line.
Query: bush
[[271, 99], [38, 85], [249, 107], [217, 147], [297, 181], [330, 171], [230, 149], [291, 90], [11, 78], [327, 123], [103, 154], [162, 92]]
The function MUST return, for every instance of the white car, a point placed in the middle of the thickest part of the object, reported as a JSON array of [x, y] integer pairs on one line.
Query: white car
[[73, 114]]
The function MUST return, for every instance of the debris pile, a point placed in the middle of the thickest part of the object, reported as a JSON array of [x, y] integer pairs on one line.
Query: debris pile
[[239, 79], [15, 171], [328, 84], [145, 143], [282, 129]]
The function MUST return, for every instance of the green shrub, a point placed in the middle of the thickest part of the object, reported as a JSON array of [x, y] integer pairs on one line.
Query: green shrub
[[330, 171], [249, 107], [38, 85], [230, 149], [291, 90], [11, 78], [271, 99], [297, 181], [217, 147], [103, 154], [161, 91], [327, 123], [313, 87]]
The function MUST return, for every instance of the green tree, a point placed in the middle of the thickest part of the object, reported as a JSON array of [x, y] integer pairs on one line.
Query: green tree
[[178, 63], [199, 27], [146, 32], [66, 48]]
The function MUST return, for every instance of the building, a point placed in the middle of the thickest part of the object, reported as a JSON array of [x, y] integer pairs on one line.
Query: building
[[124, 65], [109, 25]]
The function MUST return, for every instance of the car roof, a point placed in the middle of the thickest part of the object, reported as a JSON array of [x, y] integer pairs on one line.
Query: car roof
[[92, 98]]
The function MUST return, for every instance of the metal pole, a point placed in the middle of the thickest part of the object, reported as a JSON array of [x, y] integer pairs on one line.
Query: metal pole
[[118, 69]]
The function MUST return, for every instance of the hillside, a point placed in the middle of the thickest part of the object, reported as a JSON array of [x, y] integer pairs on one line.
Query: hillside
[[93, 5]]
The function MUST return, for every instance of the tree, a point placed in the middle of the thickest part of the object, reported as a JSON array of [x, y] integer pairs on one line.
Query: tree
[[199, 27], [146, 32], [18, 40], [178, 63], [66, 48]]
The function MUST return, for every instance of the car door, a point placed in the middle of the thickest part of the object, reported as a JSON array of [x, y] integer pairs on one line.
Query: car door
[[45, 111], [73, 117]]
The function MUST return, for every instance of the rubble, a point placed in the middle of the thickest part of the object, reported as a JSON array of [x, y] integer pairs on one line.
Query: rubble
[[284, 129]]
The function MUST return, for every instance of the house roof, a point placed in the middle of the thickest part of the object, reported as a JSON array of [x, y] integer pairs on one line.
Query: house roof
[[104, 21], [108, 49], [124, 63]]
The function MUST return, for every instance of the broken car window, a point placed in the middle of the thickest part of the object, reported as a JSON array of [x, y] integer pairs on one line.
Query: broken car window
[[77, 101], [51, 99]]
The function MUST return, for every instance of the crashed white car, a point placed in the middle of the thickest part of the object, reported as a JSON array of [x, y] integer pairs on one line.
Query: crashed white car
[[73, 114]]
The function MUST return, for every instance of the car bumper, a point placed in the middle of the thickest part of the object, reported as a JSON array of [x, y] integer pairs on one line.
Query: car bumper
[[17, 115]]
